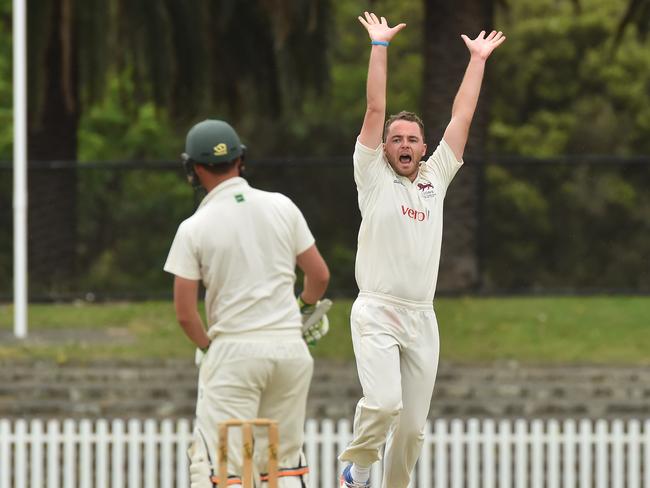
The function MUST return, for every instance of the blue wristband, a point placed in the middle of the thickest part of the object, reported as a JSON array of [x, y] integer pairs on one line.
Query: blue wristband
[[380, 43]]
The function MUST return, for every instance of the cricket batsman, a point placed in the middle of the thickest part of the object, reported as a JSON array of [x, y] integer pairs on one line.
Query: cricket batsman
[[393, 324], [243, 245]]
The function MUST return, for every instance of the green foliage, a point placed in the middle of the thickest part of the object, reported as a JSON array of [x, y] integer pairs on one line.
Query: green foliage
[[518, 225], [6, 146], [126, 219], [6, 82], [560, 86], [565, 228], [6, 231], [126, 224], [119, 128], [340, 259], [229, 56], [606, 219], [326, 125]]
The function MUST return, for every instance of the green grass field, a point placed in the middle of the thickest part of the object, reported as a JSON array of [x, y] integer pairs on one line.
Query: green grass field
[[605, 330]]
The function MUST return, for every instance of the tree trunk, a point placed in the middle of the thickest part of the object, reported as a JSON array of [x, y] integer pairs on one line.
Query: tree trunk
[[446, 58], [52, 136]]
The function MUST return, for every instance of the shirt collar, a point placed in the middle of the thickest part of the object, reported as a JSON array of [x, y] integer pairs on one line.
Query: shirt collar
[[229, 184]]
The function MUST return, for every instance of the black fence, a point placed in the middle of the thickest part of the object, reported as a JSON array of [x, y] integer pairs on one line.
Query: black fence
[[102, 230]]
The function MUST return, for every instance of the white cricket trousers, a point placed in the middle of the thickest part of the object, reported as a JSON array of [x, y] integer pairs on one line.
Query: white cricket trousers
[[243, 377], [396, 346]]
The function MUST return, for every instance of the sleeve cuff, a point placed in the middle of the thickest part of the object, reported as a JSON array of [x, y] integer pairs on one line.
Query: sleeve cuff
[[302, 249], [450, 152], [182, 274], [367, 150]]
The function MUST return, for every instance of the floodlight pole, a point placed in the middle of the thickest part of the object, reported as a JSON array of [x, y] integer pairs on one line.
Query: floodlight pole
[[20, 167]]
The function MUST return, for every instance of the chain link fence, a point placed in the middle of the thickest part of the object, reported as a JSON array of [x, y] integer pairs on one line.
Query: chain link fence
[[102, 230]]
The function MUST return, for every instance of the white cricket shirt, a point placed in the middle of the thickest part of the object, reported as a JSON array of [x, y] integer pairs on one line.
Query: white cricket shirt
[[401, 228], [242, 243]]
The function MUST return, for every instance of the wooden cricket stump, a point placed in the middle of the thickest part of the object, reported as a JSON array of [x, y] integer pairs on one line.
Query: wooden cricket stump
[[247, 450]]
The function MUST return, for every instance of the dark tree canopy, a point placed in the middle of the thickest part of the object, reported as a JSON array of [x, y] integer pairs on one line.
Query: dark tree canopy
[[186, 56]]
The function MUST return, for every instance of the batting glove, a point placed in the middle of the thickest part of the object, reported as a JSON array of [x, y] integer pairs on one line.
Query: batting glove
[[315, 324]]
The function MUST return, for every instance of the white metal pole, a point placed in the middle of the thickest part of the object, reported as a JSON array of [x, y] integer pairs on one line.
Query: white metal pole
[[20, 167]]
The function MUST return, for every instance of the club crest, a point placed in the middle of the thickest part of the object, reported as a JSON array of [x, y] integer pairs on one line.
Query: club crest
[[220, 149], [427, 189]]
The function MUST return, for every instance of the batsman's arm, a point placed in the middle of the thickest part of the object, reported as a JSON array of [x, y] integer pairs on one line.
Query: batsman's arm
[[187, 312], [380, 36], [317, 274], [466, 99]]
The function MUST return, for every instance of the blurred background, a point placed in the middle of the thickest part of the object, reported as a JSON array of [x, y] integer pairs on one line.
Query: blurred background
[[553, 198], [546, 243], [545, 272]]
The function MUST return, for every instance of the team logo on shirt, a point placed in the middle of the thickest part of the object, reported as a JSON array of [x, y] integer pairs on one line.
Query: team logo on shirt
[[417, 215], [427, 189]]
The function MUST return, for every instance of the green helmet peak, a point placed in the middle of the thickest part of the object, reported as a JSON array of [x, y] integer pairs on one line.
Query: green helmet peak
[[213, 142]]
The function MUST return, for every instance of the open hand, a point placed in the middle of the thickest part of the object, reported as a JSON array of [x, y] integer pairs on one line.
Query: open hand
[[483, 46], [378, 30]]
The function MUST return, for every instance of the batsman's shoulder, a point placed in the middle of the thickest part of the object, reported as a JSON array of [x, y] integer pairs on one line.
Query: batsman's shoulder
[[280, 200], [187, 224], [188, 230]]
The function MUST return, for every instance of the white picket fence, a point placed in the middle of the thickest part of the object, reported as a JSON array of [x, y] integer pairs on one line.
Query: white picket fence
[[456, 453]]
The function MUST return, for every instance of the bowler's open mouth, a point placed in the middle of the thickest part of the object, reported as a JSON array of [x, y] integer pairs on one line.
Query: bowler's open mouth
[[405, 158]]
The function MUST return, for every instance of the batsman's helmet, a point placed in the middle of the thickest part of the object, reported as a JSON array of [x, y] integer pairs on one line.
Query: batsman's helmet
[[212, 143]]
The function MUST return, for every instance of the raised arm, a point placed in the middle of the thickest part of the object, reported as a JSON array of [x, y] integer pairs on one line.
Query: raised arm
[[373, 122], [466, 99]]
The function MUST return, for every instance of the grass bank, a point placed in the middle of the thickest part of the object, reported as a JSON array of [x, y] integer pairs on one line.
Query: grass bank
[[552, 330]]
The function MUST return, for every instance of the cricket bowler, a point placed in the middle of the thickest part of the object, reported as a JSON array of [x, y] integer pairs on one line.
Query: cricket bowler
[[393, 324]]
